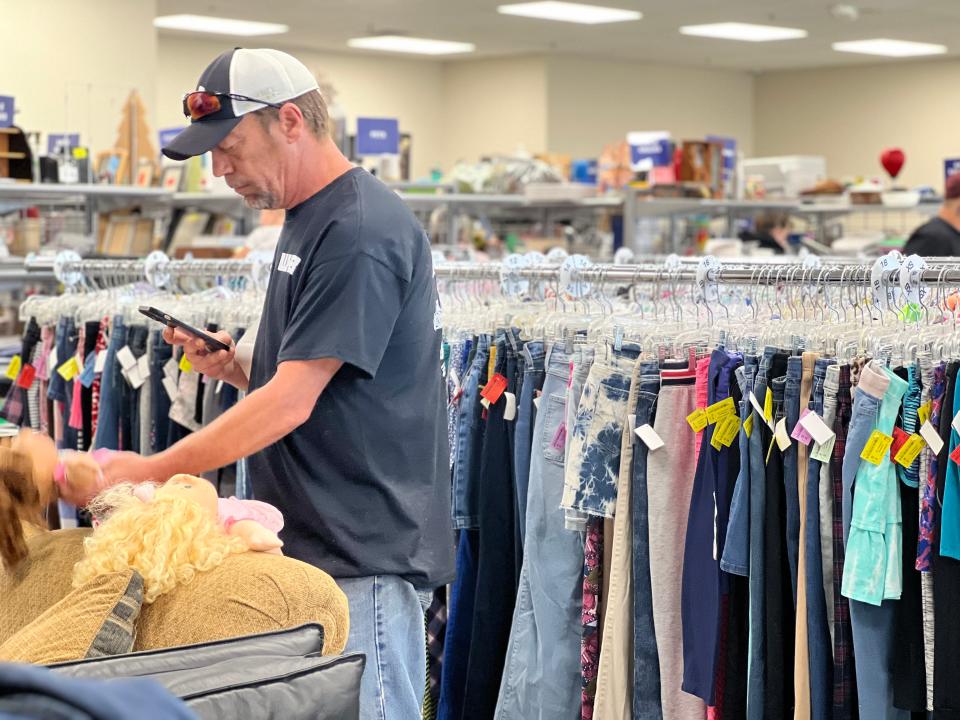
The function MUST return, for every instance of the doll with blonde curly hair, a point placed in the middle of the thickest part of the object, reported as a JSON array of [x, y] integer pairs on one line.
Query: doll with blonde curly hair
[[167, 533]]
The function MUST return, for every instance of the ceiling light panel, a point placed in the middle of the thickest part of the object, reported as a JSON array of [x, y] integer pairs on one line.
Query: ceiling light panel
[[889, 48], [218, 26], [570, 12], [745, 32], [412, 45]]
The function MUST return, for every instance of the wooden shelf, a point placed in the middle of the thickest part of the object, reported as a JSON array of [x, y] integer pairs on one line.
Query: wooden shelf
[[13, 155], [9, 131]]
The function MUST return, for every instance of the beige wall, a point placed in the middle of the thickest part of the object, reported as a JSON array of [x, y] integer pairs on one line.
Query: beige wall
[[850, 115], [367, 86], [594, 102], [72, 71], [494, 106]]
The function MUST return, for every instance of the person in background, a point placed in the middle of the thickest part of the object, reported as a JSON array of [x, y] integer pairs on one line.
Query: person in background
[[940, 236], [266, 235], [770, 232]]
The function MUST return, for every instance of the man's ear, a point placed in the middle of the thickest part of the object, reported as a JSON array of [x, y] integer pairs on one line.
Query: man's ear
[[291, 122]]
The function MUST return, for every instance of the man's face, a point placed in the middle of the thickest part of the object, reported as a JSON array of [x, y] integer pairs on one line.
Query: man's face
[[251, 160]]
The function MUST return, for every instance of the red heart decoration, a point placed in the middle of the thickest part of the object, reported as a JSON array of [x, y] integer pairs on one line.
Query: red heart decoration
[[892, 160]]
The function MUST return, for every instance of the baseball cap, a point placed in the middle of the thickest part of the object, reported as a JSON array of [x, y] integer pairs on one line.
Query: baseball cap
[[242, 80], [951, 189]]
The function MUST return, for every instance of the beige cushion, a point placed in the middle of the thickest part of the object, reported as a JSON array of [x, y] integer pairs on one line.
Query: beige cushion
[[94, 620], [249, 593]]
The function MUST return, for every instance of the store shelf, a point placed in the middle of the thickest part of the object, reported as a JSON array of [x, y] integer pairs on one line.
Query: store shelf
[[489, 201]]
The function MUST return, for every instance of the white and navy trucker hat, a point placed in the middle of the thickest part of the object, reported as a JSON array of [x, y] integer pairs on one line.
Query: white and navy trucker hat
[[236, 83]]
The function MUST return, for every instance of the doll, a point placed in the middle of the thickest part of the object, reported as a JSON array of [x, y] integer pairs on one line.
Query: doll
[[167, 533]]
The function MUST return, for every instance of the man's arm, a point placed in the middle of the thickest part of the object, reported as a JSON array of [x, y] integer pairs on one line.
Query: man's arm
[[260, 419]]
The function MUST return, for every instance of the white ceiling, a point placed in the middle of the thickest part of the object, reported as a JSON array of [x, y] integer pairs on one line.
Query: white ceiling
[[328, 24]]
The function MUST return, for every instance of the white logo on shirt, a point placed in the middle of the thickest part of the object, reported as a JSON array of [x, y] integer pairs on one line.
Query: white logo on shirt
[[288, 263]]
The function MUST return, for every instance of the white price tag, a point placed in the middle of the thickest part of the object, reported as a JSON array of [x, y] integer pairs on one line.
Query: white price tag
[[815, 425], [133, 376], [780, 433], [823, 452], [929, 433], [171, 370], [53, 361], [126, 358], [143, 366], [956, 422], [649, 436], [101, 362], [536, 402], [510, 411], [171, 387], [759, 408]]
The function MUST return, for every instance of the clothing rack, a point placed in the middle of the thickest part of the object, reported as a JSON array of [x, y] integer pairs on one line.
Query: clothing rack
[[578, 269], [157, 269]]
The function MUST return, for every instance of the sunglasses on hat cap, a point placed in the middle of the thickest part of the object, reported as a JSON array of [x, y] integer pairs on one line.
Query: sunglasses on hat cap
[[200, 104]]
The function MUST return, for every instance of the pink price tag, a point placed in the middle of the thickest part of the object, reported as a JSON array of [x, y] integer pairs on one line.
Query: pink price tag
[[560, 438], [800, 433]]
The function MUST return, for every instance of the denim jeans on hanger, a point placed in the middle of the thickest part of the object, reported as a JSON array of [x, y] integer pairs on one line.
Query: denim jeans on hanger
[[459, 632], [130, 408], [108, 422], [532, 381], [770, 366], [736, 550], [791, 400], [818, 633], [496, 571], [160, 354], [470, 430], [62, 390], [646, 660], [541, 676]]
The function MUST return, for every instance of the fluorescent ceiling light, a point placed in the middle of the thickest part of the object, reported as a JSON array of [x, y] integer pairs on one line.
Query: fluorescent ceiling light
[[218, 26], [889, 48], [417, 46], [744, 31], [570, 12]]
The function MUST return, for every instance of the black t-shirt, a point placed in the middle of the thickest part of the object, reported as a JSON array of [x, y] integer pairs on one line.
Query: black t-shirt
[[934, 238], [364, 484]]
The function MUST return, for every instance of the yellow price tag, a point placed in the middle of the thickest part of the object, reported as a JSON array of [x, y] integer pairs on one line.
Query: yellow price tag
[[768, 406], [14, 368], [697, 419], [185, 365], [715, 441], [79, 153], [719, 410], [70, 369], [727, 430], [876, 448], [923, 412], [911, 448], [748, 425]]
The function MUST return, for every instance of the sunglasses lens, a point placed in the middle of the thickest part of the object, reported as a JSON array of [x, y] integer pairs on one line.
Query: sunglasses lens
[[200, 104]]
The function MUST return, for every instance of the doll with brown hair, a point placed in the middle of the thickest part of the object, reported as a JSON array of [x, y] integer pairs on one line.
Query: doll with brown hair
[[22, 500]]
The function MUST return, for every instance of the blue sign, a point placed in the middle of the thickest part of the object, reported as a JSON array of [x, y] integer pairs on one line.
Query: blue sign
[[6, 111], [649, 150], [729, 155], [166, 136], [60, 142], [378, 136], [951, 166]]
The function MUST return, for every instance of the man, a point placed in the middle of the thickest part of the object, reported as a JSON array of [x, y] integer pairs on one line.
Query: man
[[344, 422], [940, 237]]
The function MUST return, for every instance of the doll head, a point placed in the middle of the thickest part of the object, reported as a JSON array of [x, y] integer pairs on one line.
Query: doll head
[[167, 538]]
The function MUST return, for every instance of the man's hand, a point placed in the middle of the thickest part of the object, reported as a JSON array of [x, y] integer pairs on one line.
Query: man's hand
[[219, 364]]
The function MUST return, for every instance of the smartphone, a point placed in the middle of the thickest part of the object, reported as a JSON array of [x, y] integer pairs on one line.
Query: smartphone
[[161, 317]]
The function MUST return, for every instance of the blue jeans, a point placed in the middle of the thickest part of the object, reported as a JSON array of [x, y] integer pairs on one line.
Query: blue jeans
[[736, 550], [818, 630], [533, 377], [646, 658], [541, 676], [386, 624], [467, 451], [160, 354], [459, 631], [791, 399], [108, 421]]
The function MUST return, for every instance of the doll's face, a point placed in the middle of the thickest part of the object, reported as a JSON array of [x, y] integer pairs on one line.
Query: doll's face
[[192, 488]]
